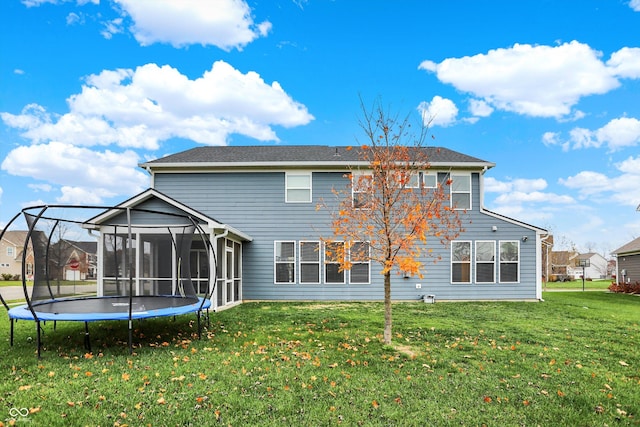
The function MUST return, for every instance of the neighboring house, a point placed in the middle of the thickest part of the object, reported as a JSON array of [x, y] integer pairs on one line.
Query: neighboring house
[[561, 264], [11, 254], [595, 266], [259, 207], [628, 257], [73, 260]]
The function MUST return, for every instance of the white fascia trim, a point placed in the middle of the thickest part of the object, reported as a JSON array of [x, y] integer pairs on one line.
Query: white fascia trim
[[311, 165]]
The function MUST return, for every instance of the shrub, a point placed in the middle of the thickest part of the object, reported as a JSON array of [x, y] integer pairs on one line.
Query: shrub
[[7, 276], [625, 288]]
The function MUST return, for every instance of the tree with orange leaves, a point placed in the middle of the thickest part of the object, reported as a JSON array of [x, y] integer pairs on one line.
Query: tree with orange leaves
[[386, 214]]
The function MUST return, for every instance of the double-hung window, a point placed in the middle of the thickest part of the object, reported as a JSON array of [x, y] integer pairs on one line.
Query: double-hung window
[[461, 262], [361, 187], [461, 191], [284, 261], [10, 251], [359, 255], [310, 262], [298, 187], [333, 253], [485, 262], [509, 261], [429, 180]]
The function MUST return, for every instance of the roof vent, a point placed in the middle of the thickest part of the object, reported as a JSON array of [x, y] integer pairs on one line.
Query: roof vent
[[336, 154]]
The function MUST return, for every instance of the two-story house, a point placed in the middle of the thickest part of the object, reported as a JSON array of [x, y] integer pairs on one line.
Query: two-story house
[[11, 254], [259, 205]]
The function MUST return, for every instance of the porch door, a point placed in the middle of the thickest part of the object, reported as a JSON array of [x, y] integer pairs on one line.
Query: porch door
[[228, 272], [228, 266]]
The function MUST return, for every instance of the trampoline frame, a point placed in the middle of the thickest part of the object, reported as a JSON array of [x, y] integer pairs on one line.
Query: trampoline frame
[[30, 311]]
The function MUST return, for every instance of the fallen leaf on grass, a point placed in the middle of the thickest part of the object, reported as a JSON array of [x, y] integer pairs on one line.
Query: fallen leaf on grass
[[375, 404], [623, 363]]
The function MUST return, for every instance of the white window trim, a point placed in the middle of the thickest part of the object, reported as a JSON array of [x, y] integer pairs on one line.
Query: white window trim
[[368, 262], [10, 251], [276, 262], [470, 262], [493, 262], [325, 264], [425, 175], [517, 242], [468, 175], [287, 187], [318, 262]]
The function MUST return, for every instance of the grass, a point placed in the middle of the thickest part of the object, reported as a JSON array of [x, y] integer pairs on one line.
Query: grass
[[571, 360], [590, 285]]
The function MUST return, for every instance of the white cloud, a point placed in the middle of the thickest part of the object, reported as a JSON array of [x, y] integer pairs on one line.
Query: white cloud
[[480, 108], [78, 170], [525, 199], [540, 81], [111, 28], [618, 134], [439, 112], [18, 71], [224, 23], [41, 187], [139, 108], [625, 62], [621, 190], [635, 5], [519, 185]]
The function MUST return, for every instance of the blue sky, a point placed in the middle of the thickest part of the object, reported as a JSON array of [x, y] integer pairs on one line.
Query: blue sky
[[548, 90]]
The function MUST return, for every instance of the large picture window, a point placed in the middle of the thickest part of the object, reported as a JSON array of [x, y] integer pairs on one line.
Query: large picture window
[[285, 261], [461, 191], [298, 187], [332, 261], [461, 262], [309, 262], [485, 262], [359, 256], [509, 261]]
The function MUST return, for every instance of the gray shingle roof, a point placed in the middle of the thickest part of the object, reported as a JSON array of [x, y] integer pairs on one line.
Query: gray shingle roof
[[632, 246], [309, 154]]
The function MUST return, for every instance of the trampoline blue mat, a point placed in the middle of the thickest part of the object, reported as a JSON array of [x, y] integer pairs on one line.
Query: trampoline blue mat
[[109, 308]]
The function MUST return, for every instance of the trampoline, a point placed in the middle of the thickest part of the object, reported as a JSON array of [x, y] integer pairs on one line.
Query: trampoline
[[90, 263]]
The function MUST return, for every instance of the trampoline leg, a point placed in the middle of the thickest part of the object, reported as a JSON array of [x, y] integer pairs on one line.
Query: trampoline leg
[[11, 333], [38, 342], [130, 337], [87, 339], [199, 327]]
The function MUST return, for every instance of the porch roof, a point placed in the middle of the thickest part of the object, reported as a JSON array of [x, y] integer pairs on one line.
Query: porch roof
[[152, 193]]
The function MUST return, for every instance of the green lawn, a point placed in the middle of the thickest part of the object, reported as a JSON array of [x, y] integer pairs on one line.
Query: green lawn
[[602, 284], [571, 360]]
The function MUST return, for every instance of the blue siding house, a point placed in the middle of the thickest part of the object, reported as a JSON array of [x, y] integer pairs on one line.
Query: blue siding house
[[259, 205]]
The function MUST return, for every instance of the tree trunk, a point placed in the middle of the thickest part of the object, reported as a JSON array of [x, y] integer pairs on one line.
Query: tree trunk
[[387, 307]]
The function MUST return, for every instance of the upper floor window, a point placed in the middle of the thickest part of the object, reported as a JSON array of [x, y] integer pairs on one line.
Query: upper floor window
[[461, 191], [298, 187], [10, 251], [429, 180], [361, 187]]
